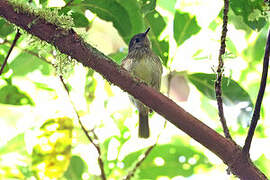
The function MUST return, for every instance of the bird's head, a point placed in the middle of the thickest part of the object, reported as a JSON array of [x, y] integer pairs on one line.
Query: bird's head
[[139, 41]]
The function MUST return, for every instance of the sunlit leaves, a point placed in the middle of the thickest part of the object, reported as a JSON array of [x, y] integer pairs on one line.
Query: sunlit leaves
[[173, 159], [118, 56], [167, 5], [232, 92], [90, 86], [184, 27], [25, 63], [51, 153], [80, 20], [12, 95], [133, 9], [5, 28], [157, 24], [110, 11], [255, 50], [76, 168], [147, 5], [2, 59], [16, 143], [263, 163], [251, 12], [11, 158]]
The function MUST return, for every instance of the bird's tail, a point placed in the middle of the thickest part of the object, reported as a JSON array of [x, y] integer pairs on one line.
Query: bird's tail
[[143, 125]]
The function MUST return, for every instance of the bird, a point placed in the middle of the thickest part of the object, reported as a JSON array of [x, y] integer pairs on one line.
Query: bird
[[144, 64]]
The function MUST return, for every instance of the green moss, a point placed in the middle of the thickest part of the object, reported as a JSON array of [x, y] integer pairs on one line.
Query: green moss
[[63, 63], [50, 15]]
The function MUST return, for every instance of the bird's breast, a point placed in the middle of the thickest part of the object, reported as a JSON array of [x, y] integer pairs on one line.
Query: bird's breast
[[144, 68]]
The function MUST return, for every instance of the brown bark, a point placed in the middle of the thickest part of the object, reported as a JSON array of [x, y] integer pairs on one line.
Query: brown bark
[[68, 42]]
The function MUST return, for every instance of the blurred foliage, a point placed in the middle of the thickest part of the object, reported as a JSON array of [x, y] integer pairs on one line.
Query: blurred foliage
[[58, 149], [184, 27], [252, 12], [51, 154], [231, 91], [11, 94], [176, 158]]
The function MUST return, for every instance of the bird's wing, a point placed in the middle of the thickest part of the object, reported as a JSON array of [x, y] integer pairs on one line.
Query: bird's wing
[[126, 63]]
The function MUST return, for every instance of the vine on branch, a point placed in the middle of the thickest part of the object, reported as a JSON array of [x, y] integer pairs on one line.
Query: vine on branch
[[218, 81]]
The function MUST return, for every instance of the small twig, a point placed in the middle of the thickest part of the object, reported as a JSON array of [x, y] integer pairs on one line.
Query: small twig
[[218, 81], [69, 3], [145, 155], [256, 113], [147, 152], [31, 53], [100, 161], [18, 34], [138, 164]]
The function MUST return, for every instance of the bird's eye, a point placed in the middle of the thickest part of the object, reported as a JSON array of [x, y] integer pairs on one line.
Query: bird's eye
[[137, 40]]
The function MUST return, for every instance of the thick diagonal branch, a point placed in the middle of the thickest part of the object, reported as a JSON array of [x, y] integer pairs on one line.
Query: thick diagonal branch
[[70, 43]]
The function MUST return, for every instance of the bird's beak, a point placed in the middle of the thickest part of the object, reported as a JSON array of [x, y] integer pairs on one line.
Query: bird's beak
[[147, 30]]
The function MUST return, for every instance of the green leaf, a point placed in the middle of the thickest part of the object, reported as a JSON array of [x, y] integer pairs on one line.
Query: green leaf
[[167, 5], [25, 63], [163, 160], [251, 11], [76, 168], [5, 28], [10, 94], [56, 136], [255, 51], [147, 5], [209, 108], [230, 46], [79, 20], [2, 59], [73, 1], [90, 86], [43, 86], [44, 3], [184, 27], [118, 56], [232, 92], [15, 144], [263, 164], [157, 24], [213, 25], [133, 9], [110, 11]]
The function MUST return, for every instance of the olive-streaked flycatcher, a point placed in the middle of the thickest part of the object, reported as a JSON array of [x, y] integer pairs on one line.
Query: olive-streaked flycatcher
[[142, 63]]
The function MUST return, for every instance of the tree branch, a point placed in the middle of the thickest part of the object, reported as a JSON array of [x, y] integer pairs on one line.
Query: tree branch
[[218, 81], [100, 161], [68, 42], [18, 34], [256, 113]]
